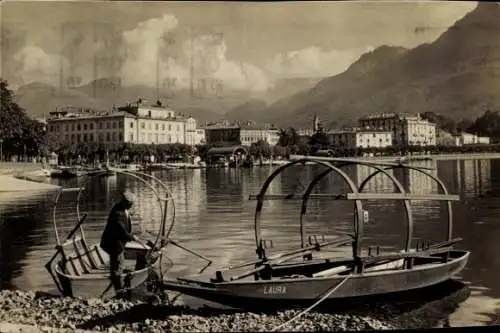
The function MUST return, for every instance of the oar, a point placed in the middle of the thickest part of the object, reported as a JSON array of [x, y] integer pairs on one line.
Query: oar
[[171, 241], [446, 243], [339, 241], [260, 268], [390, 256]]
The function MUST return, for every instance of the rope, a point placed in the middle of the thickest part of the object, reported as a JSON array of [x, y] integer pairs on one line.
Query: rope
[[331, 291]]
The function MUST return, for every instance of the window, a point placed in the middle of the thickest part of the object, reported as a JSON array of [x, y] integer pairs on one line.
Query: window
[[131, 125], [163, 127], [84, 127], [78, 127], [72, 137], [131, 137], [78, 137], [72, 127], [91, 137], [156, 126], [101, 137], [66, 137], [108, 137], [91, 125], [66, 127], [85, 137], [107, 125], [114, 136], [100, 125], [169, 127], [114, 124], [120, 136], [143, 125], [149, 126]]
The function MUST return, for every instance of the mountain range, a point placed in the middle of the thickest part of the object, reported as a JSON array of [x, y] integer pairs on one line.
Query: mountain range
[[39, 99], [457, 75]]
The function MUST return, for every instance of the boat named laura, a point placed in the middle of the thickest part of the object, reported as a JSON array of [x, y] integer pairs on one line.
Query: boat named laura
[[295, 277]]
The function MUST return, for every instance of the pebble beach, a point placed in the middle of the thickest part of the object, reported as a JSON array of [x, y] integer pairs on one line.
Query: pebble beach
[[47, 312]]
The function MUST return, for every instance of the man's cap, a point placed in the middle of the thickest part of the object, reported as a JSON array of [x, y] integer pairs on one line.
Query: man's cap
[[129, 197]]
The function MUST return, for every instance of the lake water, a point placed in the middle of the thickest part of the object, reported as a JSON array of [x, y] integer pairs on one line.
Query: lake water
[[214, 217]]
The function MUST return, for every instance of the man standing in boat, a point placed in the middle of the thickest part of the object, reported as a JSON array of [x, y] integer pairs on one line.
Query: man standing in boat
[[117, 233]]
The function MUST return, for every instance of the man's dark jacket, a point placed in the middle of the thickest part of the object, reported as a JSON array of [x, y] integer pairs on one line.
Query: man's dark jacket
[[117, 231]]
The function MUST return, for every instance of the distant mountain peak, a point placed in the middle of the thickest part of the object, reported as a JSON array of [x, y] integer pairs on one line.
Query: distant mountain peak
[[457, 75]]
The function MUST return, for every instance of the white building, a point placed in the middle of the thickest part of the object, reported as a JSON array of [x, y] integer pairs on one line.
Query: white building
[[470, 139], [138, 123], [406, 129], [200, 138], [360, 138]]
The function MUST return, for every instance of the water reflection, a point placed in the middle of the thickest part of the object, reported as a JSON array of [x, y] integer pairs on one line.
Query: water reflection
[[214, 217]]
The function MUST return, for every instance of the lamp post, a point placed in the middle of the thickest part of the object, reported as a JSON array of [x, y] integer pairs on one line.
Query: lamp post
[[1, 149]]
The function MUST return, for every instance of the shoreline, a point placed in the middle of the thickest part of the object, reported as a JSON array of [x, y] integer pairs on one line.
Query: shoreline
[[39, 312], [18, 177]]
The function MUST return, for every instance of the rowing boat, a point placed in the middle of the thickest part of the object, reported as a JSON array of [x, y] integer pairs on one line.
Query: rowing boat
[[80, 269], [296, 277]]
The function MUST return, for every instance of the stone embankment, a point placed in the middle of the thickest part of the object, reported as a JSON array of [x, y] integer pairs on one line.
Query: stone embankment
[[33, 312]]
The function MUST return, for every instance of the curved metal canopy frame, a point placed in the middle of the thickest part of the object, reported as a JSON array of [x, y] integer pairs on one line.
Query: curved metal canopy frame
[[407, 205], [349, 182], [437, 180], [162, 202], [358, 225]]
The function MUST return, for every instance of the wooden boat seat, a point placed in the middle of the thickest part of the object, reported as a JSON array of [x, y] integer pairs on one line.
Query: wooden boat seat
[[333, 271]]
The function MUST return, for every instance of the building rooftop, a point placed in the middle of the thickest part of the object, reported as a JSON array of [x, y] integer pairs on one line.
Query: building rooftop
[[239, 125], [87, 115], [358, 130], [130, 110], [389, 116]]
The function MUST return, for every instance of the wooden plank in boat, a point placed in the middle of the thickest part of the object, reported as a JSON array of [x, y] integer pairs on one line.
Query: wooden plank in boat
[[134, 245], [71, 189], [398, 255], [71, 241]]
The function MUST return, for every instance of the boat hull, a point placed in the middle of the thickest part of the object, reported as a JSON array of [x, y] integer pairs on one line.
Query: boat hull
[[97, 284], [280, 292]]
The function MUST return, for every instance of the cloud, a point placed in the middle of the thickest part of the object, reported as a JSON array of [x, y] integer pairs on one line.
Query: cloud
[[313, 62], [37, 65], [208, 56], [153, 53], [156, 52]]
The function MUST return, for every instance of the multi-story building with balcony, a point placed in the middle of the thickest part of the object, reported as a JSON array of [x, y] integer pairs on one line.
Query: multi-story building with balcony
[[138, 123], [407, 130], [353, 138]]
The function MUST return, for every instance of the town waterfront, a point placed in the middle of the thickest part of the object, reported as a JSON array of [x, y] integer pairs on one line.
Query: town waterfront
[[214, 217]]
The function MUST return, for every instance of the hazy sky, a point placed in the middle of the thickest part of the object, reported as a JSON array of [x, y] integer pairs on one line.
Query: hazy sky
[[245, 44]]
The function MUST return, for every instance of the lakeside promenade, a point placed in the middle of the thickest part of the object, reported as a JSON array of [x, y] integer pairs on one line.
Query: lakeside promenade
[[435, 157], [10, 174]]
